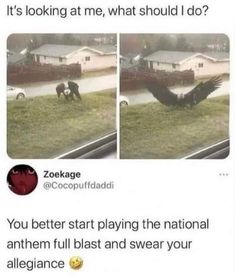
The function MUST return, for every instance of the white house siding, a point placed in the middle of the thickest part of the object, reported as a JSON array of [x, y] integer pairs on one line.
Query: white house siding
[[49, 60], [89, 60], [95, 61], [99, 62], [164, 66], [210, 68], [219, 68]]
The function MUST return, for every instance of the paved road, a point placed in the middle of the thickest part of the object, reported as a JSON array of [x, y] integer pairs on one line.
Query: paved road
[[144, 96], [86, 85]]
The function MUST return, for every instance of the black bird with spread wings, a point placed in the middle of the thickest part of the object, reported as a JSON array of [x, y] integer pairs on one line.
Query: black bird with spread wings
[[192, 98]]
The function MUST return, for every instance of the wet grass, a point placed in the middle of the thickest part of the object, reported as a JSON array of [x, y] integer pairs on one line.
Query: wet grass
[[154, 131], [43, 127]]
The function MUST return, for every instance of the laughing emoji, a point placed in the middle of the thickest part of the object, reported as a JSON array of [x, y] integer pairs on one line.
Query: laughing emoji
[[76, 262]]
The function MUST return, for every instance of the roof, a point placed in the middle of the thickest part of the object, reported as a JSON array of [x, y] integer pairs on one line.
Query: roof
[[105, 49], [55, 50], [178, 57], [218, 55], [126, 64], [15, 58], [59, 50], [132, 55], [169, 56]]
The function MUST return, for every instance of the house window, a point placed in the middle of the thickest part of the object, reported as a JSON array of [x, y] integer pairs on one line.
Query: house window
[[60, 59], [200, 65], [87, 58], [174, 66]]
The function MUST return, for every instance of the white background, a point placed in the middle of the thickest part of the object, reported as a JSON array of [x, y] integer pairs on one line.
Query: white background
[[157, 189]]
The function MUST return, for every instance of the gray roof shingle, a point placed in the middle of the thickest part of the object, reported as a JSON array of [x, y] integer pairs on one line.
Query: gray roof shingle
[[106, 49], [15, 58], [218, 55], [55, 50], [179, 56], [59, 50]]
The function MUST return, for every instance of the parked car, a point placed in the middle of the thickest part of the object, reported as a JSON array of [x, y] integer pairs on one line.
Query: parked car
[[123, 101], [15, 93]]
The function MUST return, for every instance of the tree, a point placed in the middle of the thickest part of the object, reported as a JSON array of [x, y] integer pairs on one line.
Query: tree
[[164, 43], [146, 49], [182, 44]]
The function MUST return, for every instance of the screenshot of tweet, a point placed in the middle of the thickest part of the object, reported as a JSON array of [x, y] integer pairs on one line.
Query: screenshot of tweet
[[117, 138]]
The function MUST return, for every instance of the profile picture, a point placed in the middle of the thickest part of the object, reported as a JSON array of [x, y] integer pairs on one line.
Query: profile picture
[[22, 179]]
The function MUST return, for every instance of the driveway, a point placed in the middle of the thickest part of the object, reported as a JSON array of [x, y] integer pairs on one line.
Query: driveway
[[85, 85], [144, 96]]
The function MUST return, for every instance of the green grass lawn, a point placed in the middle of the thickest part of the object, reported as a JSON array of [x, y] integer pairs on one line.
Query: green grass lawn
[[43, 127], [154, 131]]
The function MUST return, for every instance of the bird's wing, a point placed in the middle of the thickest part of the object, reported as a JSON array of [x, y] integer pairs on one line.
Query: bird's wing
[[202, 90], [162, 93]]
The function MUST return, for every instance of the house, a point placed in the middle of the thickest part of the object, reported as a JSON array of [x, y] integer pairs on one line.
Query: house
[[203, 64], [128, 62], [90, 57], [15, 58]]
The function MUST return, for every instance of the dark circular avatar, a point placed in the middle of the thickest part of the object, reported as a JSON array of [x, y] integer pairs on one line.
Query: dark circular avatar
[[22, 179]]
